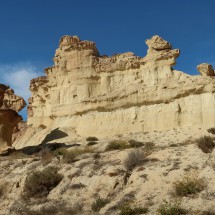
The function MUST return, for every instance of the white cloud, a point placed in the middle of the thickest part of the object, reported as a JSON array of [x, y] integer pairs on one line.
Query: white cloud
[[18, 77]]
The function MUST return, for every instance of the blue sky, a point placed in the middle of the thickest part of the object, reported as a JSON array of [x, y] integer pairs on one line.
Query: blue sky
[[30, 31]]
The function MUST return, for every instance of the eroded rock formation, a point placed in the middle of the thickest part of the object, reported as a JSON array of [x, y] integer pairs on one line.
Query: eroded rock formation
[[206, 69], [103, 96], [10, 105]]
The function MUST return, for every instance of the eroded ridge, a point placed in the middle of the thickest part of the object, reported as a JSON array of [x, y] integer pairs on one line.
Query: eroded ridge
[[121, 93]]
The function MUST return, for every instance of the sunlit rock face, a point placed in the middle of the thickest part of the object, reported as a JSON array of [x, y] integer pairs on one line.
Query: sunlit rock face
[[206, 69], [10, 105], [103, 96]]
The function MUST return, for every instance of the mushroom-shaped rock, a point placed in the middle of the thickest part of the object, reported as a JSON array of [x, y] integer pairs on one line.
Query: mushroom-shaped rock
[[12, 101], [158, 43], [206, 69], [160, 51], [10, 105]]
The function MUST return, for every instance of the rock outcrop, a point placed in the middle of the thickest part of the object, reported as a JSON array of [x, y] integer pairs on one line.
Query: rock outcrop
[[104, 96], [10, 105], [206, 69]]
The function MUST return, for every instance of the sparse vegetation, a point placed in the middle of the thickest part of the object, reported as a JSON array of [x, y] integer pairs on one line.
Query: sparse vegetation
[[148, 148], [18, 155], [135, 144], [171, 209], [91, 143], [133, 159], [49, 208], [40, 183], [123, 144], [128, 210], [46, 156], [206, 144], [3, 188], [117, 145], [69, 156], [97, 155], [211, 130], [78, 186], [99, 203], [189, 185], [60, 152], [208, 212], [92, 139]]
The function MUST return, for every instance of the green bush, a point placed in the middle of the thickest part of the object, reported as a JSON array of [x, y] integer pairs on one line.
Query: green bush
[[189, 185], [171, 209], [99, 203], [91, 143], [127, 210], [78, 186], [40, 183], [117, 145], [135, 144], [206, 144], [92, 139], [69, 156]]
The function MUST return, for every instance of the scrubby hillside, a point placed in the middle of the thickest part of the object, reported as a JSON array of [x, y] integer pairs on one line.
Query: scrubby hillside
[[164, 173]]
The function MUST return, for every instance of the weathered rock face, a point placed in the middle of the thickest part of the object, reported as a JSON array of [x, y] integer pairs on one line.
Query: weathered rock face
[[206, 69], [101, 95], [10, 105]]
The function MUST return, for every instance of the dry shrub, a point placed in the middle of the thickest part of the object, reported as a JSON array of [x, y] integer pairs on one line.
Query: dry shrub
[[40, 183], [46, 156], [78, 186], [61, 209], [133, 159], [91, 143], [71, 155], [206, 144], [3, 188], [117, 145], [97, 156], [128, 210], [211, 130], [135, 144], [190, 184], [174, 208], [208, 212], [148, 148], [99, 203], [49, 208], [92, 139]]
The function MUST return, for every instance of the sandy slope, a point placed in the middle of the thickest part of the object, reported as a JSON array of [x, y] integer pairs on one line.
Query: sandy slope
[[175, 154]]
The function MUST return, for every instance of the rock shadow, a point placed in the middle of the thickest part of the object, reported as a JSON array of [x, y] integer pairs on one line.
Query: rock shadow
[[30, 150], [54, 135], [44, 145]]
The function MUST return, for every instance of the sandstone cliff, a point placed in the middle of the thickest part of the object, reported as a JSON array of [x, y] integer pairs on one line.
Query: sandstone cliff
[[125, 102], [103, 96], [10, 105]]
